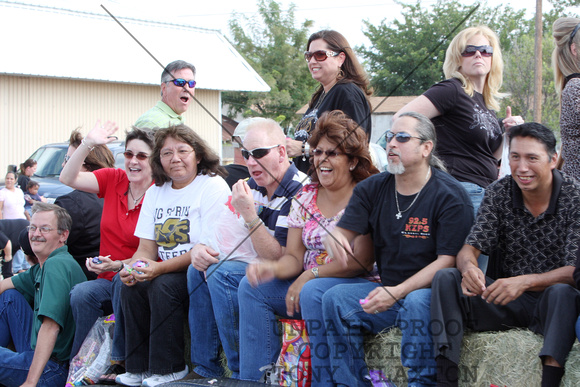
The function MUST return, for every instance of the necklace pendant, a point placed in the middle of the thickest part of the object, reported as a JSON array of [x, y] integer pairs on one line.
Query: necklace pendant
[[399, 216]]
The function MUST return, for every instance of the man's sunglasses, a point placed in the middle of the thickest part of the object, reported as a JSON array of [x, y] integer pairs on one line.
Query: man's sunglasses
[[486, 51], [140, 156], [319, 55], [258, 153], [181, 82], [400, 136]]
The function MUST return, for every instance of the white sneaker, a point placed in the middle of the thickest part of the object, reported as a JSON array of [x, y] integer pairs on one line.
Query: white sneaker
[[156, 380], [133, 380]]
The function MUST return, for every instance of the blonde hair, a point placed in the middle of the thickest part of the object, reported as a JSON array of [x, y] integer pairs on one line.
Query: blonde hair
[[563, 61], [453, 58]]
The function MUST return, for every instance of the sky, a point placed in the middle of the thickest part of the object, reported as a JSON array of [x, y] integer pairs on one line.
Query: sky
[[340, 15]]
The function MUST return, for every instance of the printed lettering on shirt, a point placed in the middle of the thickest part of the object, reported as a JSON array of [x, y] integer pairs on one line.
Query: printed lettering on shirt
[[417, 228], [172, 211], [173, 232]]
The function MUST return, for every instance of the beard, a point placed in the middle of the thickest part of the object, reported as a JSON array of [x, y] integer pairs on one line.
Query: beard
[[396, 169]]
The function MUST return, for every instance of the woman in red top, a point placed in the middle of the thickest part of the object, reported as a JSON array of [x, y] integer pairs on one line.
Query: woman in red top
[[123, 191]]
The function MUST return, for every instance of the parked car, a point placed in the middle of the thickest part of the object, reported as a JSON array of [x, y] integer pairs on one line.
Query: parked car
[[49, 160]]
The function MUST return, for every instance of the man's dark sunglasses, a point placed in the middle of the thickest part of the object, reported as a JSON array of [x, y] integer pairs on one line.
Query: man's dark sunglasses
[[258, 153], [181, 82], [400, 136], [486, 51]]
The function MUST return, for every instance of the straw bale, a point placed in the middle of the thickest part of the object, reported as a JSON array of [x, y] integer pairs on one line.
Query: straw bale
[[506, 358]]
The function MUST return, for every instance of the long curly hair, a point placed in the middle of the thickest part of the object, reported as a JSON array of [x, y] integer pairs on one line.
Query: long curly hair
[[351, 140]]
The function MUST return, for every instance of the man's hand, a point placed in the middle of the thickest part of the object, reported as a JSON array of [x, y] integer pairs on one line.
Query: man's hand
[[338, 247], [260, 273], [381, 299], [505, 290], [243, 201], [203, 256], [473, 283]]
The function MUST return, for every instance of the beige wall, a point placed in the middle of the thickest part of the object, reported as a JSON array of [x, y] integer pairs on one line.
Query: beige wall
[[36, 111]]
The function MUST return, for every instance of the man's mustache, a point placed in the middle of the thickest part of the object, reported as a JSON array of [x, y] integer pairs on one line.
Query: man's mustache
[[37, 239]]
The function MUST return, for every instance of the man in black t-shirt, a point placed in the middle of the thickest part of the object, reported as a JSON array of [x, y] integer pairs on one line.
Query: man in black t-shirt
[[418, 217], [529, 225]]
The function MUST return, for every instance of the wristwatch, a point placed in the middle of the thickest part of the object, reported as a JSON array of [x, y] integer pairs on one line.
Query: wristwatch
[[315, 272], [120, 268]]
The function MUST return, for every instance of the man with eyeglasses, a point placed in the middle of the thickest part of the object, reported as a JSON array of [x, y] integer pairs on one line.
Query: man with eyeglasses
[[418, 217], [35, 313], [177, 90], [264, 203]]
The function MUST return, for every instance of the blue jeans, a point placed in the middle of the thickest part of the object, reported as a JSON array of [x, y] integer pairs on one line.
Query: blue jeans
[[214, 317], [259, 334], [91, 300], [317, 327], [476, 194], [16, 323], [578, 328], [341, 308]]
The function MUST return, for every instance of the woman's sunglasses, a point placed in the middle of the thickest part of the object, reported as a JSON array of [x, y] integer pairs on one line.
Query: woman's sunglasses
[[258, 153], [401, 137], [140, 156], [319, 55], [486, 51], [328, 153], [181, 82]]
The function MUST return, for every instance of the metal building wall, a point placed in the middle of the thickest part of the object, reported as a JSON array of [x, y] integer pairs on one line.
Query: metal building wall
[[36, 111]]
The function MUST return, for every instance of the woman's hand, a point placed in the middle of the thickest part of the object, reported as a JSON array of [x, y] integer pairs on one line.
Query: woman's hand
[[510, 121], [293, 147], [107, 264], [293, 294], [127, 278], [260, 273], [101, 134], [148, 273]]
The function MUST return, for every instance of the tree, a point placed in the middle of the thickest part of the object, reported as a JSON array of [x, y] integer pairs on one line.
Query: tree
[[274, 47]]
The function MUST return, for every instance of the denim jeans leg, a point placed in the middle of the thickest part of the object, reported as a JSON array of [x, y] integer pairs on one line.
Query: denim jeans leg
[[259, 333], [476, 194], [311, 308], [15, 320], [223, 280], [168, 300], [578, 328], [118, 352], [417, 344], [89, 301], [205, 342], [14, 369], [342, 311]]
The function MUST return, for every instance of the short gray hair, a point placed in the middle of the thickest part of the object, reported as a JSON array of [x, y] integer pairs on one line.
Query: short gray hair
[[63, 219], [426, 131], [174, 66]]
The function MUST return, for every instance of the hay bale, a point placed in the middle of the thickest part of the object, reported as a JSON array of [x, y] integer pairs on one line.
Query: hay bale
[[506, 358]]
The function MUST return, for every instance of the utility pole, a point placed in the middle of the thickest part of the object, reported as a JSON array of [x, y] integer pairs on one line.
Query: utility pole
[[538, 64]]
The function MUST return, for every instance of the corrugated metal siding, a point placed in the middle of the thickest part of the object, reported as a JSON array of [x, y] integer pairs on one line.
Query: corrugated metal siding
[[35, 111]]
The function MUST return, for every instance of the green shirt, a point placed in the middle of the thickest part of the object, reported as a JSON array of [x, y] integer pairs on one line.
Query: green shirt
[[159, 116], [48, 288]]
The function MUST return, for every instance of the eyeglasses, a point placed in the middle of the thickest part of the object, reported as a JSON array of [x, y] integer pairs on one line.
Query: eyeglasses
[[181, 82], [319, 55], [43, 229], [140, 156], [470, 50], [401, 137], [66, 158], [257, 153], [328, 153], [181, 153]]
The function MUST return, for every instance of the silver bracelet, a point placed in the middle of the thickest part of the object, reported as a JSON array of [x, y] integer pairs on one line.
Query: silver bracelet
[[91, 148]]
